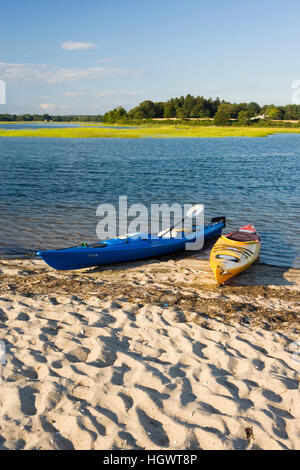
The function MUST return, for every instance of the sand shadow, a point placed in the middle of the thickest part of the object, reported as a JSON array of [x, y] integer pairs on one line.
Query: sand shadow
[[261, 274]]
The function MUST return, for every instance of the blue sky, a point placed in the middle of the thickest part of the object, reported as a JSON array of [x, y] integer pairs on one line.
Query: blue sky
[[70, 56]]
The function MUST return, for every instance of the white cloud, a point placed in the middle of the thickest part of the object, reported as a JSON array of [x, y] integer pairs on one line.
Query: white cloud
[[48, 106], [51, 107], [103, 93], [52, 74], [77, 93], [77, 45]]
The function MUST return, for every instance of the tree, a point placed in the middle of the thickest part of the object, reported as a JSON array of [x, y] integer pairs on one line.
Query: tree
[[241, 107], [200, 110], [159, 110], [189, 103], [120, 114], [169, 111], [45, 117], [131, 113], [243, 118], [139, 114], [212, 106], [223, 115], [117, 114], [148, 109], [253, 109], [28, 117], [181, 113], [273, 112], [292, 112]]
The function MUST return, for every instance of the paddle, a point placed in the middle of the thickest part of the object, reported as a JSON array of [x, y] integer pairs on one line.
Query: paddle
[[192, 212]]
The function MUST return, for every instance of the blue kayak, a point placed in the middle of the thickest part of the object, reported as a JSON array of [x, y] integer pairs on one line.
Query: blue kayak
[[128, 248]]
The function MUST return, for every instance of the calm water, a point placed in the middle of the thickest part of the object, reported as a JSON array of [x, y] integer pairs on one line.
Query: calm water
[[56, 125], [50, 188], [40, 125]]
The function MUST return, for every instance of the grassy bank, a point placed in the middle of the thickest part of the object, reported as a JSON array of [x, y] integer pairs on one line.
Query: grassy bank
[[171, 131]]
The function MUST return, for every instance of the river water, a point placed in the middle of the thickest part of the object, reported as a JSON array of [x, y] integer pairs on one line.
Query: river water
[[50, 188]]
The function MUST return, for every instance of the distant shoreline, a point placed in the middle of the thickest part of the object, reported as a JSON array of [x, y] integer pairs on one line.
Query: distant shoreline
[[146, 131]]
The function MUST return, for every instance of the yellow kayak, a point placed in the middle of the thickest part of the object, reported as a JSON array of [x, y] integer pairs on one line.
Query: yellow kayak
[[234, 252]]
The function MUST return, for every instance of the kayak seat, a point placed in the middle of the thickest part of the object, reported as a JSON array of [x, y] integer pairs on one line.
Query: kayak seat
[[239, 236]]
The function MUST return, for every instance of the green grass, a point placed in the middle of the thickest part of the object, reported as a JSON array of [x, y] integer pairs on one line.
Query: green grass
[[158, 131]]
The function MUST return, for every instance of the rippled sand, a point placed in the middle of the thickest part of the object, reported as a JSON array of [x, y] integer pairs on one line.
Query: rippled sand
[[150, 355]]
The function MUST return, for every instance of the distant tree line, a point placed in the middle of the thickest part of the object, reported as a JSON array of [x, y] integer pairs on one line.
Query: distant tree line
[[186, 108], [49, 118], [190, 107]]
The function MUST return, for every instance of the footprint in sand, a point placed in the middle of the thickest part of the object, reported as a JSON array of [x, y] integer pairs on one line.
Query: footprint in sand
[[260, 365], [3, 316], [280, 428], [128, 401], [155, 396], [272, 396], [27, 400], [153, 428], [27, 371], [78, 355], [38, 357], [130, 440], [23, 317], [118, 374], [187, 396]]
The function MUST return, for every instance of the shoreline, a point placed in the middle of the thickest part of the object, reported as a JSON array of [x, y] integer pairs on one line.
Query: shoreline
[[202, 257], [257, 285], [179, 131], [149, 355]]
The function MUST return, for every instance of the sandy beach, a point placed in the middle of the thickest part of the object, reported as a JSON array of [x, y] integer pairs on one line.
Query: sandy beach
[[149, 355]]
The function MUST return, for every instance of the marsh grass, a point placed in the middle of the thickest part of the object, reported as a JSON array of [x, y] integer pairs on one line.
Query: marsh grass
[[170, 131]]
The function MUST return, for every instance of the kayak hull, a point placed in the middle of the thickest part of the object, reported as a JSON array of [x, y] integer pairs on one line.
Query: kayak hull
[[120, 250], [229, 258]]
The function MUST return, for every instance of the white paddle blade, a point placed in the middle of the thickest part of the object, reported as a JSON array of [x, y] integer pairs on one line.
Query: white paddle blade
[[167, 231], [195, 210]]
